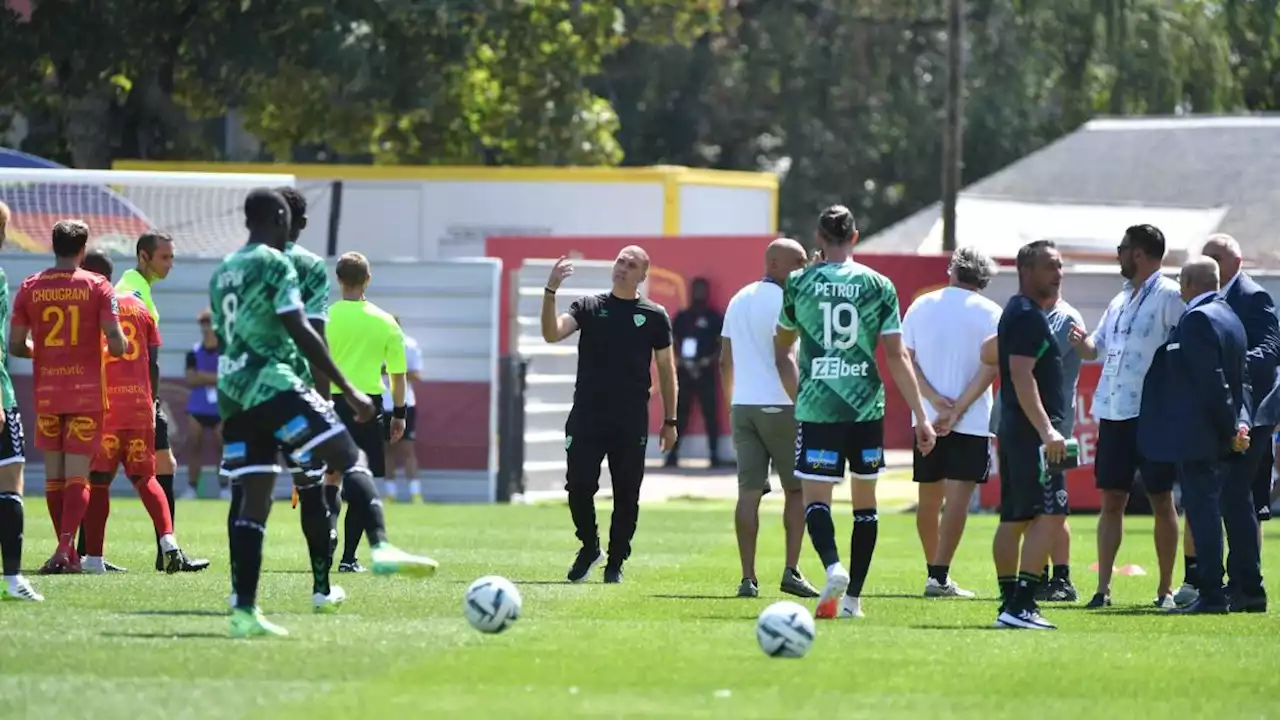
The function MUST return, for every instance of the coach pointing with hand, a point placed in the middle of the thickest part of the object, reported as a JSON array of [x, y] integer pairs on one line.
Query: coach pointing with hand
[[621, 334]]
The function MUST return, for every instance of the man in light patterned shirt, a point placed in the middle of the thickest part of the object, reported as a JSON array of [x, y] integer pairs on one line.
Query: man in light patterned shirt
[[1136, 323]]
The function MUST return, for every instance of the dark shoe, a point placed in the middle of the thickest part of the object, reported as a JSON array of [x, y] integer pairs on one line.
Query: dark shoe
[[793, 583], [1202, 607], [583, 563], [113, 568], [612, 575], [1060, 590], [1099, 601], [1240, 602], [749, 588], [351, 567]]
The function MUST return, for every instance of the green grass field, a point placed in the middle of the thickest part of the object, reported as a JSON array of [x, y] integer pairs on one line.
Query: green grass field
[[671, 641]]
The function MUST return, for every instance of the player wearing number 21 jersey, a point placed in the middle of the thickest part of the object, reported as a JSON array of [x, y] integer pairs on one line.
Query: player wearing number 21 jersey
[[839, 310], [67, 311]]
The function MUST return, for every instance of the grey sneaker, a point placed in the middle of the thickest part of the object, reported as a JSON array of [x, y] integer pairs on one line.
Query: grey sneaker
[[1186, 594], [748, 589], [793, 583], [1060, 590], [935, 589]]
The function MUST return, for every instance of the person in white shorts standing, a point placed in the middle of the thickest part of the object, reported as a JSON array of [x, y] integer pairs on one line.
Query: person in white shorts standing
[[762, 416], [944, 331]]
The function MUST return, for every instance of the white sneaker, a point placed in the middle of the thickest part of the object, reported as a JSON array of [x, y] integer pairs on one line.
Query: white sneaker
[[415, 490], [330, 602], [1024, 620], [851, 607], [1186, 595], [188, 494], [935, 589], [90, 565], [19, 588], [1165, 602], [832, 592]]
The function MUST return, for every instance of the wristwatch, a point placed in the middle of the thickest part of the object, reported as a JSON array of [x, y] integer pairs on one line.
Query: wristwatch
[[670, 422]]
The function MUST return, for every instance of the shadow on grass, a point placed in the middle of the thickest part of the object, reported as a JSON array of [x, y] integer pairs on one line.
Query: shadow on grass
[[957, 627], [1137, 610], [170, 636], [734, 618], [699, 597], [180, 613]]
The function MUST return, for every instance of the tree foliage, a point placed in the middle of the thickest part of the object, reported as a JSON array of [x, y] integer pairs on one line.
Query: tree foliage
[[844, 98]]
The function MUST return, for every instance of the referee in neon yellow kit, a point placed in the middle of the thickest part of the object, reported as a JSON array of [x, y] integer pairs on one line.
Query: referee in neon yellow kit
[[362, 339], [154, 253]]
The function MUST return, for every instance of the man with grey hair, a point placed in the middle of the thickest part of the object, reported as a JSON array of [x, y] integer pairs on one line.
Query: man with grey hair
[[762, 416], [943, 331], [1205, 414], [1256, 310]]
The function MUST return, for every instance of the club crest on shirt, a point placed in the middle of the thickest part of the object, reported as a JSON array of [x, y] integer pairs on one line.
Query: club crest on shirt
[[639, 318]]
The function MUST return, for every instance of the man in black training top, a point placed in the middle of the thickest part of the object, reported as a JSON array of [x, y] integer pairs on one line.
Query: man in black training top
[[621, 334], [1033, 504]]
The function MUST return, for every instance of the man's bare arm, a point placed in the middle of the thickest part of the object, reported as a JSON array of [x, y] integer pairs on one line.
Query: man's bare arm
[[784, 360], [317, 374], [20, 341], [115, 338], [666, 362], [927, 390], [903, 373], [555, 328], [1028, 392], [726, 369]]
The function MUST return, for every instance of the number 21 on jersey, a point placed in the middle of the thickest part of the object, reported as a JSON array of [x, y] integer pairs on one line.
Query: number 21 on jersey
[[839, 325], [64, 325]]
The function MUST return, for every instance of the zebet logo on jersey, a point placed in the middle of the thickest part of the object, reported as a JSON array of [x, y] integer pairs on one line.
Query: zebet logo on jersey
[[834, 368]]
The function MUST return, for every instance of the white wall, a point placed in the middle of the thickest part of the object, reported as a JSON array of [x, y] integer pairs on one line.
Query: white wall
[[718, 210]]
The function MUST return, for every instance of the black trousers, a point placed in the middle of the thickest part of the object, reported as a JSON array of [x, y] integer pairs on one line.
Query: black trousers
[[589, 442], [1217, 493], [703, 389]]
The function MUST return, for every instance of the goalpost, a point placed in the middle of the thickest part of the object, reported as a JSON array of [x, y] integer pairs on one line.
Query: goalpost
[[204, 212]]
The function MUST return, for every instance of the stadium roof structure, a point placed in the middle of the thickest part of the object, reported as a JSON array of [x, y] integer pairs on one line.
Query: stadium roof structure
[[1189, 176]]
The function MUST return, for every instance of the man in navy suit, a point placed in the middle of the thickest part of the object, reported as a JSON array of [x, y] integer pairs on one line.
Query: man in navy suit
[[1253, 305], [1208, 392]]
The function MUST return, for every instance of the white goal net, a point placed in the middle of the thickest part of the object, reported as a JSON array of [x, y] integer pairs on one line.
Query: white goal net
[[204, 212]]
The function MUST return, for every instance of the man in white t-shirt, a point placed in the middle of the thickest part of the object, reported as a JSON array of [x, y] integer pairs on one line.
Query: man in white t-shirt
[[944, 331], [404, 452], [762, 416]]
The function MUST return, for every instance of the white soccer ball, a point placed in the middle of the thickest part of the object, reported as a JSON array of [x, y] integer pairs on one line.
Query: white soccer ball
[[785, 629], [492, 604]]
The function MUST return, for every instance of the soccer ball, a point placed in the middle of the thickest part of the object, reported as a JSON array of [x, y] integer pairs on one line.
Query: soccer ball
[[491, 604], [785, 629]]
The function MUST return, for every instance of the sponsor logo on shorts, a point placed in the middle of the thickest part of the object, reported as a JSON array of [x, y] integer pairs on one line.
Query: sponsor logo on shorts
[[49, 425], [293, 431], [137, 450], [82, 427], [873, 457], [234, 452], [822, 459], [1062, 498], [110, 445]]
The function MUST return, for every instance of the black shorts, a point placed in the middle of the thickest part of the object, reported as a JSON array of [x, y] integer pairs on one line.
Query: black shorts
[[293, 422], [208, 422], [1264, 439], [823, 450], [162, 430], [1117, 460], [955, 457], [410, 424], [368, 435], [1024, 494], [12, 438]]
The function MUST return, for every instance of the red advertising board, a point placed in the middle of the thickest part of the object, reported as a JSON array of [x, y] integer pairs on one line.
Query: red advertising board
[[727, 263], [1081, 491]]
